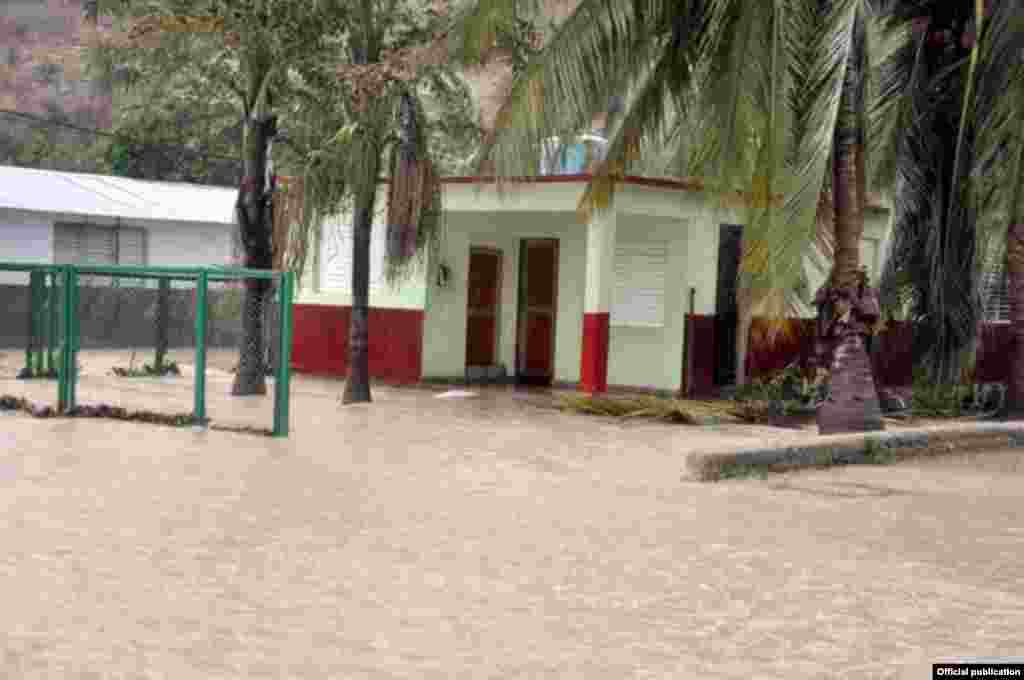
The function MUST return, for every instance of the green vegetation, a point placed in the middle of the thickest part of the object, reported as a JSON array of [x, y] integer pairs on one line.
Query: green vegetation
[[876, 454]]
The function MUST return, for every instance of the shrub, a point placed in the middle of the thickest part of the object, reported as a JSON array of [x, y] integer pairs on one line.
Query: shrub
[[941, 401], [787, 392], [147, 371]]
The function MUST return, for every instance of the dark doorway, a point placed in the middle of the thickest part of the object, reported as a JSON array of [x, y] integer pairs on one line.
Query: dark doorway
[[538, 302], [482, 307], [730, 249]]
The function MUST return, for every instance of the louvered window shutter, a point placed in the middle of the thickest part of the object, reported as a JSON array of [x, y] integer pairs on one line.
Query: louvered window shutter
[[640, 276], [66, 239], [336, 257], [131, 246], [98, 245], [131, 250]]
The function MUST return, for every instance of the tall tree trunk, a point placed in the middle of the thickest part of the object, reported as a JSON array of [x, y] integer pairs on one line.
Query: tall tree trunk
[[1014, 407], [255, 223], [852, 405], [357, 386], [163, 323]]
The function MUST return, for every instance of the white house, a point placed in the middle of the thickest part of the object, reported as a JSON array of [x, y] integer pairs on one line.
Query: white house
[[67, 218], [523, 287]]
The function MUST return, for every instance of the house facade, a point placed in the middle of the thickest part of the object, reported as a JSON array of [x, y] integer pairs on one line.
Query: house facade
[[523, 290]]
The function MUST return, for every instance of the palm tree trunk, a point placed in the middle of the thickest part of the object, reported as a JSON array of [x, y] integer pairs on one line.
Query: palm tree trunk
[[357, 387], [852, 405], [255, 223], [1014, 407]]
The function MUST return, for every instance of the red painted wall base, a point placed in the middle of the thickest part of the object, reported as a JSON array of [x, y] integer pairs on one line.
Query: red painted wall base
[[594, 355], [320, 344]]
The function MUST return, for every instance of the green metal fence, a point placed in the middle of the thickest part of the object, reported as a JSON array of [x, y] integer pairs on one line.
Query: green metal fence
[[47, 302]]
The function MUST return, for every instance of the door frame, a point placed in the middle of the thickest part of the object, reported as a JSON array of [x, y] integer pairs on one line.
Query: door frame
[[521, 310], [726, 309], [488, 250]]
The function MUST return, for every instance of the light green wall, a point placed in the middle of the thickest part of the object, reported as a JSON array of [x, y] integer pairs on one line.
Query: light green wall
[[444, 335], [653, 356], [642, 357], [410, 294]]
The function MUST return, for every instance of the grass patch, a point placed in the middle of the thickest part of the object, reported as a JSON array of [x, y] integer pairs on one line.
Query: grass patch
[[876, 454], [157, 369], [147, 371], [824, 458], [941, 401], [742, 471]]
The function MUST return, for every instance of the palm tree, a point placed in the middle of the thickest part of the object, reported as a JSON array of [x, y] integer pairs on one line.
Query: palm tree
[[776, 116], [958, 67], [925, 132], [997, 169], [377, 103]]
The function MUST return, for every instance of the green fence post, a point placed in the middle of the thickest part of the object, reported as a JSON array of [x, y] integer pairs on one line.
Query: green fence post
[[73, 341], [35, 299], [52, 322], [199, 408], [62, 368], [163, 295], [282, 381], [31, 323]]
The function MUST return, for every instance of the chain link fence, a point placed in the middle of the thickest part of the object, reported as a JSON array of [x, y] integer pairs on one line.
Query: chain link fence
[[244, 326], [31, 336]]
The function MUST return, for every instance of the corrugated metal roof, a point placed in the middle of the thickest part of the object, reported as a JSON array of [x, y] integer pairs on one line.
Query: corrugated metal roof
[[83, 194]]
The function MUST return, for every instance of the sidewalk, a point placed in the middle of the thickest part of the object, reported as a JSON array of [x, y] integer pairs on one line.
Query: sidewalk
[[419, 537]]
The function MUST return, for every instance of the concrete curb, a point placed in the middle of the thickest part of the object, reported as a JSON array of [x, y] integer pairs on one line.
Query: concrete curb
[[855, 449]]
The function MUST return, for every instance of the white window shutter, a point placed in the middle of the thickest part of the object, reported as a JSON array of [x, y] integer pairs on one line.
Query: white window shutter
[[640, 279], [131, 246], [66, 238], [131, 250], [378, 248], [336, 257], [98, 245]]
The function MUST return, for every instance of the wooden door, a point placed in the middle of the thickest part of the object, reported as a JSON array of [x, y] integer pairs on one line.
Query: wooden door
[[482, 307], [538, 302]]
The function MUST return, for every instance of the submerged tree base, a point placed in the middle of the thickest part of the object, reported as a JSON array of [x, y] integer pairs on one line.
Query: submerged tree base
[[852, 405], [355, 393]]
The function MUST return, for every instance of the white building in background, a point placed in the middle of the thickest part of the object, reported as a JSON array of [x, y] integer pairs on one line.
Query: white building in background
[[50, 217]]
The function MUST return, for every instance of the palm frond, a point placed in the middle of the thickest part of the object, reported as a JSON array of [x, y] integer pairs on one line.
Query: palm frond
[[998, 109], [573, 78], [820, 47], [641, 128], [938, 246]]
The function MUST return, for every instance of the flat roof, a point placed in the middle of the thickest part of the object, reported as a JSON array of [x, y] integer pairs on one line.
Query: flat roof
[[91, 195], [674, 183]]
